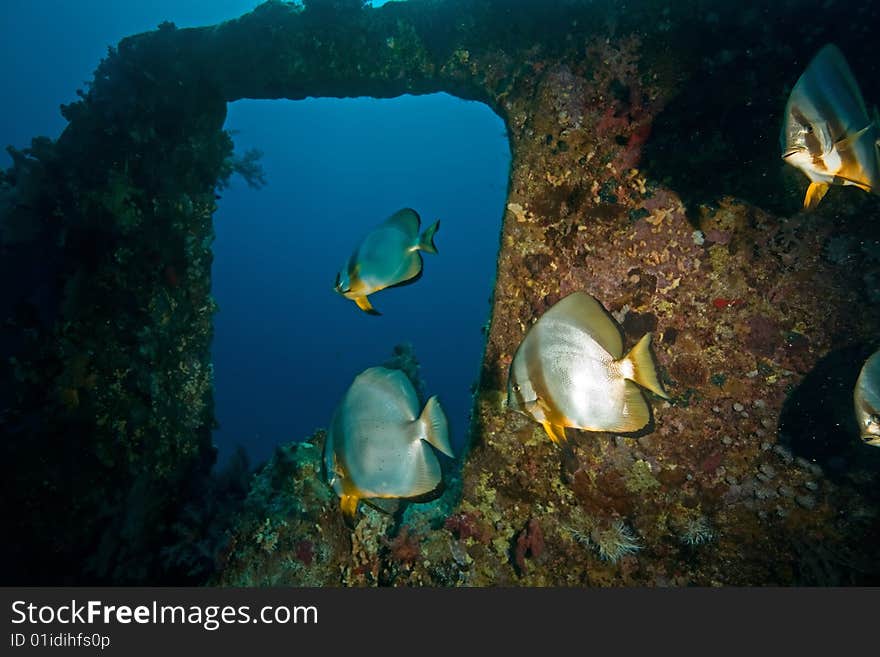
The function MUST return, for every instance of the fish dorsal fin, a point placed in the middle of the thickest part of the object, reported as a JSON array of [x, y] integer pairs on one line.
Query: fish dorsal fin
[[830, 72], [434, 428], [391, 389], [407, 221], [585, 312]]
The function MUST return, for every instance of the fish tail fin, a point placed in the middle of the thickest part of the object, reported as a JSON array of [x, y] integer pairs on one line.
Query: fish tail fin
[[643, 370], [364, 304], [435, 427], [426, 241], [815, 193]]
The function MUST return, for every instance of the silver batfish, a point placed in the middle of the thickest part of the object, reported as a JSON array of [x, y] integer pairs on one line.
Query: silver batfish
[[867, 400], [827, 133], [570, 371], [388, 255], [378, 446]]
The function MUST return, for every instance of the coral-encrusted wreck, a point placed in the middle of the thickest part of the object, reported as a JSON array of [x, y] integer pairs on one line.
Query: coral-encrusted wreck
[[645, 171]]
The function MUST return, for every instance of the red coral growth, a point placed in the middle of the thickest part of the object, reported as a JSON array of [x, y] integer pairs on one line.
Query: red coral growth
[[710, 463], [530, 542], [404, 547], [305, 552], [610, 124], [465, 525], [722, 303], [640, 135]]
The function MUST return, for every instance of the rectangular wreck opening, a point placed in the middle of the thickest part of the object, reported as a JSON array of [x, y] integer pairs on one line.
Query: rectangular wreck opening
[[286, 345]]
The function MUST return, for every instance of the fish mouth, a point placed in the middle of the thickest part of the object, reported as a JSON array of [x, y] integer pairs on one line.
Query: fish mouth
[[339, 286], [790, 152]]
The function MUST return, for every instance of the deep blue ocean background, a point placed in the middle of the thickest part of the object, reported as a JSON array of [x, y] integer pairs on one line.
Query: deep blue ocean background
[[286, 346]]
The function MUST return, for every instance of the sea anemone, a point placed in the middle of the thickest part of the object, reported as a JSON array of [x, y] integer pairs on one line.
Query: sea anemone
[[612, 543], [615, 542], [696, 531]]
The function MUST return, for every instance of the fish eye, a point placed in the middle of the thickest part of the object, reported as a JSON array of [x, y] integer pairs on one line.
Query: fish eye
[[516, 387]]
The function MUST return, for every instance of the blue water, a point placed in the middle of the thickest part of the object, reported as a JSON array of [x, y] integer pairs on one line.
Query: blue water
[[286, 346], [50, 48]]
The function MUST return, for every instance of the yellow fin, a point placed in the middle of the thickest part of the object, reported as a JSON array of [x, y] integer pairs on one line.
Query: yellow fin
[[643, 371], [364, 304], [815, 192], [349, 505], [555, 432]]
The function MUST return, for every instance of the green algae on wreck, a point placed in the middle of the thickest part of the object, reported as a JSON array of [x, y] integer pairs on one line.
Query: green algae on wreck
[[624, 144]]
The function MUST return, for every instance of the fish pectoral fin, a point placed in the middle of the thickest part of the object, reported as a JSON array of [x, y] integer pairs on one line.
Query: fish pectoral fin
[[349, 505], [556, 432], [815, 192], [364, 304], [849, 140], [844, 180]]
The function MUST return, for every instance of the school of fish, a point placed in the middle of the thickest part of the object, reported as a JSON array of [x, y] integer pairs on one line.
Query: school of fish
[[570, 369]]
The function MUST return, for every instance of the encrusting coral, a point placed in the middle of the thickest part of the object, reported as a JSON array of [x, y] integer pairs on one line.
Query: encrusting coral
[[636, 177]]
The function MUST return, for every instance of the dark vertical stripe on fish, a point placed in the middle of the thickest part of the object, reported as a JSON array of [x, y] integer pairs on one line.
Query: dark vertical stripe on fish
[[535, 369]]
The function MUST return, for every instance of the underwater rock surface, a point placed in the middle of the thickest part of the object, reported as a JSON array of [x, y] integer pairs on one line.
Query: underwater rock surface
[[645, 171]]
